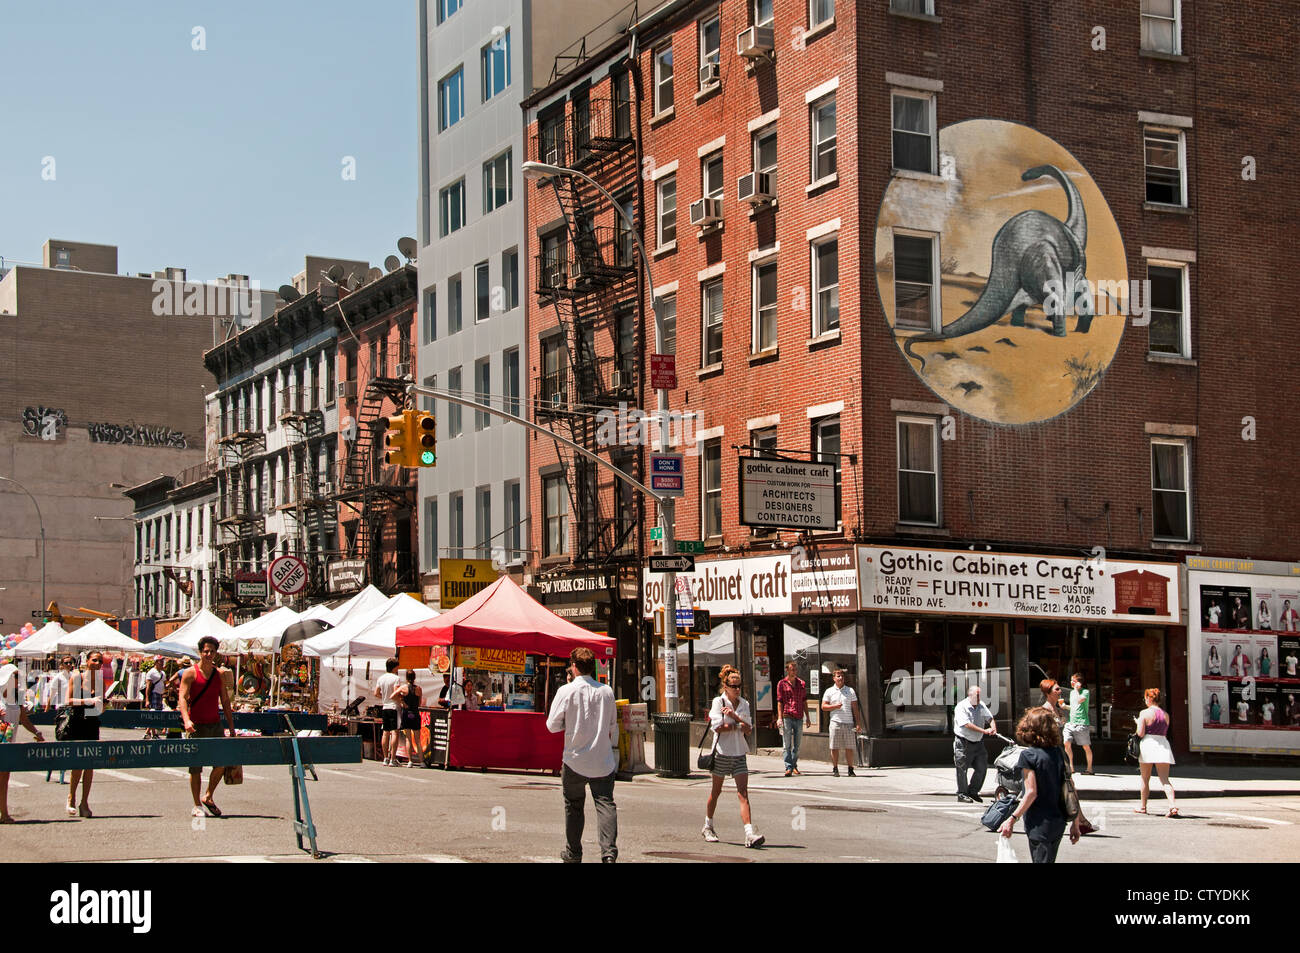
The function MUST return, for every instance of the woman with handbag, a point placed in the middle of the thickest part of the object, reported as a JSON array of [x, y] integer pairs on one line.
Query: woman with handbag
[[1154, 749], [85, 693], [1043, 766], [408, 712], [732, 722], [12, 714]]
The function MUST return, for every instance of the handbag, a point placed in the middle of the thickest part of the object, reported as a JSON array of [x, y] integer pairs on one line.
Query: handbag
[[705, 761], [234, 774], [999, 811], [66, 719], [1069, 796], [1133, 748]]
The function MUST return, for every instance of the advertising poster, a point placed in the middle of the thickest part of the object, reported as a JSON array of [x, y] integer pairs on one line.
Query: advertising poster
[[1288, 651], [1237, 601], [1211, 602], [1215, 664], [1265, 654], [1263, 607], [1241, 661], [1242, 698], [1287, 617], [1215, 711], [762, 676], [1266, 705]]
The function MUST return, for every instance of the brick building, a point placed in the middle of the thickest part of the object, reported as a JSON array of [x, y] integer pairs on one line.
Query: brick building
[[984, 286]]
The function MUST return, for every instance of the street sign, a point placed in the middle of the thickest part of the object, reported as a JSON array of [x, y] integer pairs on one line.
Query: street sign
[[685, 617], [690, 545], [679, 563], [668, 474], [788, 494], [287, 575], [656, 534], [663, 371]]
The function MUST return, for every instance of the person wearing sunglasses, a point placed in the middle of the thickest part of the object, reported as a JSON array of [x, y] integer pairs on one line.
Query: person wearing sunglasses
[[85, 691], [732, 723]]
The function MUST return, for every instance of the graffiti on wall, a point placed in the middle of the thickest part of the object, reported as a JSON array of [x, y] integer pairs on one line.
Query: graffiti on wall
[[131, 435], [44, 422], [1029, 268]]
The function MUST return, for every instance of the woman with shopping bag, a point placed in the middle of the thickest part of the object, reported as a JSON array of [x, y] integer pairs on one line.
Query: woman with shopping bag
[[1043, 766]]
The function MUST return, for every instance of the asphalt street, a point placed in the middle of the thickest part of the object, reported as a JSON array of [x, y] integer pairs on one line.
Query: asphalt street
[[371, 813]]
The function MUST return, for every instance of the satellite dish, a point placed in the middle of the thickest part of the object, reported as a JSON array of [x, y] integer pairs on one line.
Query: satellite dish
[[355, 280], [335, 273], [406, 247], [392, 263], [289, 293], [374, 274]]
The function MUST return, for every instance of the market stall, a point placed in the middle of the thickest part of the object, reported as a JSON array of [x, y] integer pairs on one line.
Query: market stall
[[518, 649]]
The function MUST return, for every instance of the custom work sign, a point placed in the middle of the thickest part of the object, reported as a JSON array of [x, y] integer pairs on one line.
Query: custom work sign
[[787, 494]]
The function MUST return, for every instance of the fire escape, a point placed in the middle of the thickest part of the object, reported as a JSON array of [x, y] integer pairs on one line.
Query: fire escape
[[588, 273], [306, 497], [240, 517], [372, 490]]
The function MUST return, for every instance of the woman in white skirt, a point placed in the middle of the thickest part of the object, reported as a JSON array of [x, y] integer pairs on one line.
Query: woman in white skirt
[[732, 723], [1154, 749]]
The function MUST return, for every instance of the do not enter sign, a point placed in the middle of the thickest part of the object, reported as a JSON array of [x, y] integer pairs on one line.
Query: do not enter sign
[[288, 575]]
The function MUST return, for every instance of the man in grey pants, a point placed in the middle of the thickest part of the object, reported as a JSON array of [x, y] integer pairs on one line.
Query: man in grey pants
[[972, 722], [584, 710]]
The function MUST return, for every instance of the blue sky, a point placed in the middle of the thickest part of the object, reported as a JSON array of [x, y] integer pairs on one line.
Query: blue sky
[[228, 159]]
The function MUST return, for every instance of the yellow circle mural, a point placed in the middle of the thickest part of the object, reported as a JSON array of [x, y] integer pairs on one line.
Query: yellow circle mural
[[1032, 280]]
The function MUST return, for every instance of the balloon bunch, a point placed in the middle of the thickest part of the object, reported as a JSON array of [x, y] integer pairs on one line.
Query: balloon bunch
[[26, 631]]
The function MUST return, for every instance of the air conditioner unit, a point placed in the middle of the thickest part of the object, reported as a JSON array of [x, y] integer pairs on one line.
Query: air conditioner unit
[[553, 156], [404, 370], [557, 398], [619, 379], [347, 390], [757, 42], [710, 75], [757, 188], [706, 211]]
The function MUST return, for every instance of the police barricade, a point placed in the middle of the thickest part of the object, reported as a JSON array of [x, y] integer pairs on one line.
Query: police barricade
[[191, 753], [273, 722]]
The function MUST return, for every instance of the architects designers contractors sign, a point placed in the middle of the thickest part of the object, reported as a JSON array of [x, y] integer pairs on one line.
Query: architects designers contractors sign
[[1243, 657], [818, 581], [787, 494], [1003, 278], [958, 581]]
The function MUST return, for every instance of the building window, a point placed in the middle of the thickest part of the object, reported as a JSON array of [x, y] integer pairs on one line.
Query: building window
[[495, 59], [1165, 158], [765, 150], [514, 522], [451, 99], [664, 80], [431, 533], [624, 241], [483, 522], [447, 7], [764, 294], [918, 471], [498, 183], [913, 132], [667, 208], [622, 86], [553, 377], [823, 138], [711, 321], [555, 517], [826, 449], [453, 410], [482, 292], [819, 12], [711, 184], [482, 392], [1170, 328], [456, 536], [455, 301], [429, 325], [912, 6], [510, 277], [331, 359], [510, 380], [1171, 497], [826, 286], [1162, 26], [711, 488], [914, 291], [710, 47], [553, 137], [451, 201], [763, 12], [668, 308]]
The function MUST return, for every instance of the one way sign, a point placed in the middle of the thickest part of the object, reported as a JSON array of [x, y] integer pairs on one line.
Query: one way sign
[[682, 562]]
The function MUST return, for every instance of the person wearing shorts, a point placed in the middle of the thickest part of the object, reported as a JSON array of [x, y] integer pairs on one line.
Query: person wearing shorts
[[732, 723], [203, 697], [12, 714], [846, 715], [385, 689], [1077, 729]]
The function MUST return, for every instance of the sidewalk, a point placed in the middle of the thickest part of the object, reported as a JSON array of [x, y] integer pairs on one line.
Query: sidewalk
[[1110, 783]]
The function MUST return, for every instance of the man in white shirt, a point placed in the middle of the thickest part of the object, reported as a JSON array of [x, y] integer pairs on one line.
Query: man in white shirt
[[584, 710], [972, 722], [842, 702], [384, 688]]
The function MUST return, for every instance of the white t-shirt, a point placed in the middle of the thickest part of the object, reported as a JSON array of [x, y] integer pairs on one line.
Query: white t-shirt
[[845, 697], [387, 684], [731, 743], [1266, 710], [153, 681], [1291, 662], [1243, 711], [9, 696]]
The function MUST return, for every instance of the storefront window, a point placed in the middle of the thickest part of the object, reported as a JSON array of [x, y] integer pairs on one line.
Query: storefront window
[[819, 647], [929, 666]]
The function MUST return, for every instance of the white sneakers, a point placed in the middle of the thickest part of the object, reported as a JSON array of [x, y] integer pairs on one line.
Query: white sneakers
[[710, 835], [754, 840]]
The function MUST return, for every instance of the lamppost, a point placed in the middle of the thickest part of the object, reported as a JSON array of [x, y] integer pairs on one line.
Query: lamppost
[[40, 519], [667, 507]]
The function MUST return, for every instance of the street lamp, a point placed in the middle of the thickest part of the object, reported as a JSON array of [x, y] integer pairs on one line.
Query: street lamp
[[40, 519], [668, 506]]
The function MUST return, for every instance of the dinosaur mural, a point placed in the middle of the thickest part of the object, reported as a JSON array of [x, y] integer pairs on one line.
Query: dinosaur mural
[[993, 295], [1032, 254]]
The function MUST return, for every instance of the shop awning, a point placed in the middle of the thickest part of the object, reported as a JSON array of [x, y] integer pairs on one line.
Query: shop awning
[[503, 616]]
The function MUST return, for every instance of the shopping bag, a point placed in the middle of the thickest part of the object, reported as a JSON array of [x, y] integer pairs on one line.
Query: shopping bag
[[1006, 853], [234, 775]]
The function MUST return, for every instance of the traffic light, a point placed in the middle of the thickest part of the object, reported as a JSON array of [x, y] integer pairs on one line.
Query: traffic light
[[424, 439], [399, 442]]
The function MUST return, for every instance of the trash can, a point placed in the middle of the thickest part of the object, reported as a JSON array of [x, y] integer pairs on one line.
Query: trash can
[[673, 744]]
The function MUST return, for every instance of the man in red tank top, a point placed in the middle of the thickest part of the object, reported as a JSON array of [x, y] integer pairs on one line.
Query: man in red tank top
[[203, 697]]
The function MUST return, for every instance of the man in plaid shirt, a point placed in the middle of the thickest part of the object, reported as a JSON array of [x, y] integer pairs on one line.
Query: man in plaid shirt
[[792, 704]]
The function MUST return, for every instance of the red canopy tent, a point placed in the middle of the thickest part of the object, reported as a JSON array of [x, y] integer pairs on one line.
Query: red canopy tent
[[504, 617]]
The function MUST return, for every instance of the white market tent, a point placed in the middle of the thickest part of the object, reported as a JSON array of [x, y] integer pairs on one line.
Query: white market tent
[[185, 640], [370, 634], [101, 636], [263, 635], [367, 602], [319, 611], [42, 642]]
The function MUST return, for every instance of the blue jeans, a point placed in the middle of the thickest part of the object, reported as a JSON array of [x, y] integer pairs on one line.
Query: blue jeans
[[792, 737]]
